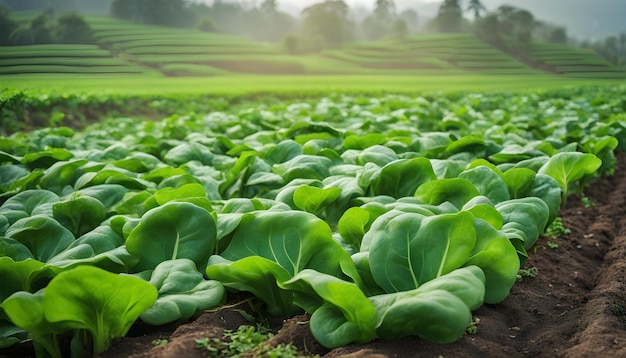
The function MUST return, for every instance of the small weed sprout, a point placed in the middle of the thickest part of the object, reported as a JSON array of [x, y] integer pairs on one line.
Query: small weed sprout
[[556, 229], [586, 201], [160, 342], [247, 339], [553, 245], [473, 326], [531, 272]]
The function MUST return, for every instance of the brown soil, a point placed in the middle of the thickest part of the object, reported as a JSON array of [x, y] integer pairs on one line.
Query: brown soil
[[574, 307]]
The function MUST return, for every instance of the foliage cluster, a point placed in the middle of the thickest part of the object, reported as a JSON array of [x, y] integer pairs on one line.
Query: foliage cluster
[[360, 211], [69, 28]]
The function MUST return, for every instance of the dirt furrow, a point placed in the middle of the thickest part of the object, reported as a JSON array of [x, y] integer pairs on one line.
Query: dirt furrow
[[603, 320]]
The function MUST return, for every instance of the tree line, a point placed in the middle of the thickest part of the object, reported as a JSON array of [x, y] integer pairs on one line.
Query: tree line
[[45, 28]]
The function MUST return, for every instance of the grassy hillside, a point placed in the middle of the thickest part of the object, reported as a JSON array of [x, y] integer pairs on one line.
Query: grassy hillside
[[573, 62], [151, 59]]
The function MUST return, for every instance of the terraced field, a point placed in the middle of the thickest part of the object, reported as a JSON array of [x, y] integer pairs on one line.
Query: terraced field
[[76, 59], [127, 48], [442, 53], [573, 62]]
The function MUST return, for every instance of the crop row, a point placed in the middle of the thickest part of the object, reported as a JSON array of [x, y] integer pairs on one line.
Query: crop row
[[381, 217]]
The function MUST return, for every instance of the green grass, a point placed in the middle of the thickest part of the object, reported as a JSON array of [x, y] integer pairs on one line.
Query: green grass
[[237, 85], [52, 50]]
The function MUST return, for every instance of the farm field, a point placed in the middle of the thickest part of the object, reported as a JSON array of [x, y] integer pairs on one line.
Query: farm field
[[171, 192], [360, 210]]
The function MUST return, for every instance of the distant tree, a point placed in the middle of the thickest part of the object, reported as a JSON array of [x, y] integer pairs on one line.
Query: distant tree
[[476, 7], [40, 29], [399, 29], [7, 26], [557, 35], [157, 12], [206, 25], [508, 27], [384, 9], [326, 24], [291, 44], [127, 10], [269, 6], [411, 19], [488, 28], [378, 24], [72, 28], [450, 16]]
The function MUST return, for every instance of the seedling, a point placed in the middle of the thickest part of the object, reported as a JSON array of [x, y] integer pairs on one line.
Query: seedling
[[530, 272], [160, 342], [473, 326], [246, 340], [553, 245], [557, 229], [586, 201]]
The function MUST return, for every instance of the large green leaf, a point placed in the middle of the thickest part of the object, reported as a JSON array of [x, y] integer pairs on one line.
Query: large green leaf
[[257, 275], [488, 183], [457, 191], [79, 215], [173, 231], [26, 310], [411, 249], [22, 276], [439, 310], [183, 292], [341, 313], [101, 302], [24, 204], [568, 167], [401, 178], [43, 236], [524, 219], [313, 200], [496, 256]]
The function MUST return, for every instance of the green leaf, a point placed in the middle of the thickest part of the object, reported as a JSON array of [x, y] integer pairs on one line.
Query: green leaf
[[22, 276], [313, 200], [496, 256], [488, 183], [401, 178], [411, 249], [102, 247], [79, 215], [365, 141], [10, 334], [440, 310], [569, 167], [103, 303], [26, 310], [183, 292], [353, 225], [60, 175], [519, 181], [43, 236], [24, 204], [257, 275], [524, 219], [457, 191], [187, 152], [378, 155], [173, 231], [341, 313]]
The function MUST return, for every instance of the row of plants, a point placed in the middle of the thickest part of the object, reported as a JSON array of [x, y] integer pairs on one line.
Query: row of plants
[[381, 217]]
